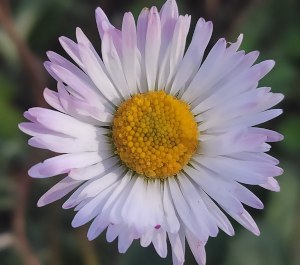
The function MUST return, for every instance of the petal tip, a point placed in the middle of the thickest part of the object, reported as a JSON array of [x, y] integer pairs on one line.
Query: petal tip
[[41, 202], [34, 171]]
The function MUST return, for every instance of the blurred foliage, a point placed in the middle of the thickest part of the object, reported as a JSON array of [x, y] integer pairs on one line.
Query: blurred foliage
[[271, 26]]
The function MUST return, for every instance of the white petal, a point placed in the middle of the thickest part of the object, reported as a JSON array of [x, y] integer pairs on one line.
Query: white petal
[[152, 47], [235, 46], [264, 67], [159, 241], [247, 197], [197, 247], [242, 108], [113, 66], [271, 184], [224, 91], [247, 121], [206, 71], [214, 81], [79, 108], [272, 136], [255, 157], [129, 51], [93, 170], [96, 228], [177, 46], [234, 141], [142, 25], [193, 57], [104, 25], [172, 222], [68, 145], [183, 209], [52, 99], [215, 188], [72, 49], [243, 171], [174, 53], [168, 12], [58, 191], [95, 186], [125, 240], [64, 163], [95, 68], [168, 17], [77, 80], [91, 209], [61, 123], [220, 218], [34, 129], [146, 238], [113, 230], [247, 221], [134, 212], [115, 211], [177, 242], [155, 208], [115, 196], [74, 199], [206, 223]]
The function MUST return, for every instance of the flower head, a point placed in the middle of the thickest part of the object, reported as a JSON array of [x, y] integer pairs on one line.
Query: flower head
[[155, 140]]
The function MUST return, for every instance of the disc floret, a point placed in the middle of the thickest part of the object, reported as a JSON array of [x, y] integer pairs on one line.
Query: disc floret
[[155, 134]]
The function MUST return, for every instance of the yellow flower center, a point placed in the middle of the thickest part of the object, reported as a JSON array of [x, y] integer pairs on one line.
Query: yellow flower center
[[155, 134]]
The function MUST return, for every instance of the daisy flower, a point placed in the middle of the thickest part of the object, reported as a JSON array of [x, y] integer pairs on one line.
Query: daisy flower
[[156, 141]]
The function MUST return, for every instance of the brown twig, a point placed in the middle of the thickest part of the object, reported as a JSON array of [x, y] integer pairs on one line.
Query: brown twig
[[21, 243], [33, 68]]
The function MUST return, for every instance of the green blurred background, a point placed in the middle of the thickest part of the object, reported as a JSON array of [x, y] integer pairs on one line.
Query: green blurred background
[[32, 236]]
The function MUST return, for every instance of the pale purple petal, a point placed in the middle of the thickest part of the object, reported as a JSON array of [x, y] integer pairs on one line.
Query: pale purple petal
[[152, 47], [58, 191], [193, 57], [197, 247], [95, 68], [129, 51], [64, 163], [114, 66]]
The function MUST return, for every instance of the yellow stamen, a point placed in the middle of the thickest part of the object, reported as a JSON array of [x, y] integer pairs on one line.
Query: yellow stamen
[[155, 134]]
